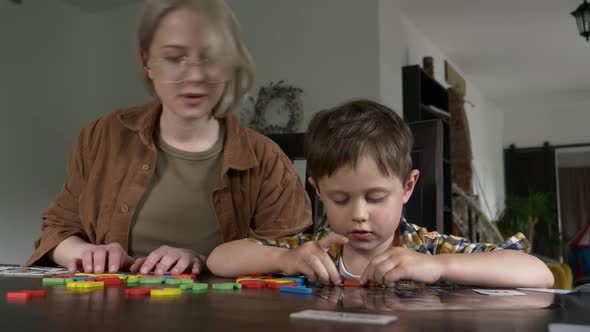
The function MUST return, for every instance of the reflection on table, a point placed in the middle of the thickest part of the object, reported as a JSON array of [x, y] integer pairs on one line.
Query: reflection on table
[[427, 309]]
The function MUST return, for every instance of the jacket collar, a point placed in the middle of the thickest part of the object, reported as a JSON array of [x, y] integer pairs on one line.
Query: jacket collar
[[238, 152]]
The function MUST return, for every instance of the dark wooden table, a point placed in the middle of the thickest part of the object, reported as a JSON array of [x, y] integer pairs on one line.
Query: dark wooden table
[[268, 310]]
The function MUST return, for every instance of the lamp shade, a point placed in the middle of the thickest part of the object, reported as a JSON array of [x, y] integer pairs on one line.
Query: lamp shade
[[582, 15]]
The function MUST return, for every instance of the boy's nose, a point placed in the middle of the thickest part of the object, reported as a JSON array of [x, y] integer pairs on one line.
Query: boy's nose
[[360, 212]]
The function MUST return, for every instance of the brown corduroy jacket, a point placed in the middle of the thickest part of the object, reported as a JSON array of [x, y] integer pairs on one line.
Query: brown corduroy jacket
[[259, 193]]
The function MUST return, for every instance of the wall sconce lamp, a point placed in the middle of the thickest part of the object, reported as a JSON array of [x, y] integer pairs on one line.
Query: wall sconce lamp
[[582, 15]]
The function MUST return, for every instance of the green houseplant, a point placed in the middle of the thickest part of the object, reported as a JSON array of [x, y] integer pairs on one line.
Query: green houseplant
[[522, 213]]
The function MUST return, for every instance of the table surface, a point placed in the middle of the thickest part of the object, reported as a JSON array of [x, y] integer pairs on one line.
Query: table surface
[[428, 309]]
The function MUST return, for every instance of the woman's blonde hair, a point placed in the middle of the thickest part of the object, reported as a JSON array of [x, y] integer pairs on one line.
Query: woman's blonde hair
[[223, 21]]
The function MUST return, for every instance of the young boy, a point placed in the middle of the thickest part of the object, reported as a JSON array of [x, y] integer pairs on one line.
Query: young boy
[[358, 155]]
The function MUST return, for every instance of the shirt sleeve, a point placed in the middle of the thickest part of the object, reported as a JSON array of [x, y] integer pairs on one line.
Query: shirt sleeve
[[420, 239], [61, 220], [283, 207], [291, 242]]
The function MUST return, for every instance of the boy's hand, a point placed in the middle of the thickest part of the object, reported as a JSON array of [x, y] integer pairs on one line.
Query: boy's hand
[[100, 258], [312, 259], [402, 264], [163, 258]]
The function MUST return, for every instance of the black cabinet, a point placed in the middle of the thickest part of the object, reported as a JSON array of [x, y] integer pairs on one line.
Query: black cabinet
[[425, 207], [426, 99], [292, 145]]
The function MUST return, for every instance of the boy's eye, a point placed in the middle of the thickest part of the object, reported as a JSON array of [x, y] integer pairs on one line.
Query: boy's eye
[[340, 201], [376, 199]]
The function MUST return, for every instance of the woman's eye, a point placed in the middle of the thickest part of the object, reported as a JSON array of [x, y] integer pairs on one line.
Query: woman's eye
[[174, 59]]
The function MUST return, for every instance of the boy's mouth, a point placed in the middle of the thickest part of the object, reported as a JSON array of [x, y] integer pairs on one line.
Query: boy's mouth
[[361, 235]]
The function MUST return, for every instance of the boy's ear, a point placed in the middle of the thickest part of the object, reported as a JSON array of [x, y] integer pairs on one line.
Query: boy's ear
[[314, 185], [410, 185]]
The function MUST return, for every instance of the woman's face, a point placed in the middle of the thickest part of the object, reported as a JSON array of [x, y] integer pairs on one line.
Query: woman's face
[[184, 64]]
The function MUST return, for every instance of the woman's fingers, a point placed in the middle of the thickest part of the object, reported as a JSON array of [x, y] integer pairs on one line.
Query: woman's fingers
[[99, 257], [150, 262], [182, 263], [166, 262], [74, 265], [87, 261], [113, 259], [137, 265]]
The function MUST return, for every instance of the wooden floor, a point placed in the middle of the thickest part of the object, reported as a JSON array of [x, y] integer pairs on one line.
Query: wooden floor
[[431, 309]]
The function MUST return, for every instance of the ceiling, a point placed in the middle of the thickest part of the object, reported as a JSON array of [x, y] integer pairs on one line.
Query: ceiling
[[520, 54]]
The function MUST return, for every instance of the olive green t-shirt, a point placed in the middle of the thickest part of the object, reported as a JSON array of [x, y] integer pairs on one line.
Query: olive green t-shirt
[[177, 210]]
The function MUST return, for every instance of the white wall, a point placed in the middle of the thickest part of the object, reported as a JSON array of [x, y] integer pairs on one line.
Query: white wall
[[60, 68], [557, 125], [41, 71], [392, 54], [328, 48], [486, 128], [485, 125], [116, 69]]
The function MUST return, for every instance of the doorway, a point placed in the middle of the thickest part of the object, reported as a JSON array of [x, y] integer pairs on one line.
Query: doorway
[[573, 183]]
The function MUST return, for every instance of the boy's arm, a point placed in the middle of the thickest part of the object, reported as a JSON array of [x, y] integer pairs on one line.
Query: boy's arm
[[437, 256], [498, 268], [242, 257], [484, 264]]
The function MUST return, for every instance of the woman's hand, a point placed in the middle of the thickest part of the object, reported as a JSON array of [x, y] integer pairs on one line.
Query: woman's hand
[[100, 258], [169, 258]]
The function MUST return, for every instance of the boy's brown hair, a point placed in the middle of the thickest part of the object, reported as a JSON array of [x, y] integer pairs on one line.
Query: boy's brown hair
[[342, 135]]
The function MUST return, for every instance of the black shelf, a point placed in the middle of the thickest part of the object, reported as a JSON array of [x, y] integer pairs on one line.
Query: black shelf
[[428, 113], [446, 141], [424, 98]]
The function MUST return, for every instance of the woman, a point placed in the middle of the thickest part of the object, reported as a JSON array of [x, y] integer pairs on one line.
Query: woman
[[172, 179]]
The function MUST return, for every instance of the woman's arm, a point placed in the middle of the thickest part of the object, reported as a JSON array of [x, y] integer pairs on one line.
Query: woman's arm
[[283, 207], [68, 250]]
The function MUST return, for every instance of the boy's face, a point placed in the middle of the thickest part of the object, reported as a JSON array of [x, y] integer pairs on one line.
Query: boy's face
[[364, 205]]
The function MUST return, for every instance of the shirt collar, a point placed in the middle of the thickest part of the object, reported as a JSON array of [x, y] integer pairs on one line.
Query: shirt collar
[[238, 152]]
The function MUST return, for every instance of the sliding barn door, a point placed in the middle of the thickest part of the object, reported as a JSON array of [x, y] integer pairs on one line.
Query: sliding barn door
[[534, 170]]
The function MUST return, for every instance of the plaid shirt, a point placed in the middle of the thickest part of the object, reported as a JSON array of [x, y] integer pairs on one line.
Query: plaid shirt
[[413, 237]]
